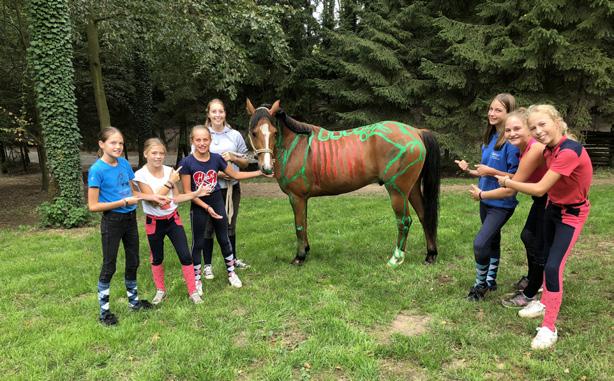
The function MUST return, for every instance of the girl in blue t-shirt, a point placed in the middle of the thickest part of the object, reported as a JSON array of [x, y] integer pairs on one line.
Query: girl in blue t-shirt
[[201, 168], [498, 157], [110, 190]]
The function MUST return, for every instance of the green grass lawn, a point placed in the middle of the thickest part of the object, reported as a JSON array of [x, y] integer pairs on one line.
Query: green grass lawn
[[335, 318]]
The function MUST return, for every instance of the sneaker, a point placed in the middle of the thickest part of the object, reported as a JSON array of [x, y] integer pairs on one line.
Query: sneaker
[[544, 339], [142, 305], [208, 272], [477, 293], [534, 309], [199, 288], [522, 283], [108, 319], [234, 280], [195, 298], [492, 286], [239, 264], [159, 297], [519, 300]]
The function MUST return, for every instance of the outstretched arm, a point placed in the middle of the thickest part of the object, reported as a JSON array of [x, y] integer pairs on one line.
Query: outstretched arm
[[237, 175], [534, 189], [95, 206]]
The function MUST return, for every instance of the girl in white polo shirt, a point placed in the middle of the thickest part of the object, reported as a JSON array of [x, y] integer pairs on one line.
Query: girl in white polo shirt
[[161, 221]]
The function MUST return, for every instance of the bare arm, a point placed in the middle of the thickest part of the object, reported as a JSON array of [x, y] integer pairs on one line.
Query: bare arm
[[464, 166], [237, 175], [95, 206], [241, 161], [186, 183], [529, 163], [534, 189]]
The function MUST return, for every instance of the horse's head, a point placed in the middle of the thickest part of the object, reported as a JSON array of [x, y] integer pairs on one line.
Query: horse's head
[[262, 134]]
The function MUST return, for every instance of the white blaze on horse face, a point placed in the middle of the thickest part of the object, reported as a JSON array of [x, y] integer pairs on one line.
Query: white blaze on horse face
[[266, 162]]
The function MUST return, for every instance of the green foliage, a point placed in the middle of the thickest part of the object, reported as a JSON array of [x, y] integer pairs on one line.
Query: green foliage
[[59, 213], [50, 59]]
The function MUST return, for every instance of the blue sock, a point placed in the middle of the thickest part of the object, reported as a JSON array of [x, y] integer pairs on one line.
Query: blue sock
[[480, 274], [131, 291], [493, 267], [103, 298]]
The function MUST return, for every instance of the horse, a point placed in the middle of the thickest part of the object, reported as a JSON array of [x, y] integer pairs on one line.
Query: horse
[[310, 161]]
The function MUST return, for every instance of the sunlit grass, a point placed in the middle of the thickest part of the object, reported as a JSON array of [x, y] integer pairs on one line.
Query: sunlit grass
[[323, 320]]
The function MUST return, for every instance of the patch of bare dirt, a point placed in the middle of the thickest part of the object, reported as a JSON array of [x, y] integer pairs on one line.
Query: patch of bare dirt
[[393, 369], [21, 195], [406, 324]]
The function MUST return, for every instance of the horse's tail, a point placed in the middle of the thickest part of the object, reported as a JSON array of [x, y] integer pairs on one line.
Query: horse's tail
[[431, 175]]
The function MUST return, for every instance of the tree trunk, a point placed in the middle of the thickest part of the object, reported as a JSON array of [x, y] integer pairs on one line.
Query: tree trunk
[[42, 162], [182, 146], [93, 52], [142, 102]]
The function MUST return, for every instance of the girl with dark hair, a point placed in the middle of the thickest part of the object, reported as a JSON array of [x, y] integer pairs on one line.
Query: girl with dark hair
[[531, 169], [111, 191], [498, 157]]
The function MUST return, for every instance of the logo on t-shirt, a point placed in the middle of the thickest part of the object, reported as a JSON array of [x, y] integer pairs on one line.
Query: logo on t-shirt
[[202, 178]]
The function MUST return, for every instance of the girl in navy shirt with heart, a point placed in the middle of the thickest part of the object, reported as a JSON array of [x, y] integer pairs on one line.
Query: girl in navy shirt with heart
[[202, 167]]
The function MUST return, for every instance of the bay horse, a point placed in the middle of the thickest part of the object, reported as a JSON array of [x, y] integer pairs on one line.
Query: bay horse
[[310, 161]]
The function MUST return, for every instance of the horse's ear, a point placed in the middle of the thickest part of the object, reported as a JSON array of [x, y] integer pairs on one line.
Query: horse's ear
[[249, 107], [274, 108]]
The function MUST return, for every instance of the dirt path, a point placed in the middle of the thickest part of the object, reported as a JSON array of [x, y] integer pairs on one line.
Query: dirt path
[[21, 195]]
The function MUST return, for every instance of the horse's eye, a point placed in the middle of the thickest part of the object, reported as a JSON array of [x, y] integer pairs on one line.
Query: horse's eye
[[254, 133]]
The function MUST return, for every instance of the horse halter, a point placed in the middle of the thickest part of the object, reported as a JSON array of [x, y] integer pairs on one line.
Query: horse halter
[[258, 151]]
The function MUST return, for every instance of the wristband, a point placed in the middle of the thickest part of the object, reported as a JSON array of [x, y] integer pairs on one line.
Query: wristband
[[125, 203], [504, 182], [480, 195]]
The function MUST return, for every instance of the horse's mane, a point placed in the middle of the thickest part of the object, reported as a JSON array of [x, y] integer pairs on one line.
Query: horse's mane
[[294, 125]]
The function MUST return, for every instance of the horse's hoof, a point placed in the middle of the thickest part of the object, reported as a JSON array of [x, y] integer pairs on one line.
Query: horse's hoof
[[397, 259], [430, 259], [298, 261]]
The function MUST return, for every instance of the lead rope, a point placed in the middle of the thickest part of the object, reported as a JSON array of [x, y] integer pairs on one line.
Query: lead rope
[[230, 210]]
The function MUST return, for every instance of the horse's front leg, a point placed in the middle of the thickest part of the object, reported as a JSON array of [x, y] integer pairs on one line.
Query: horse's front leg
[[400, 205], [299, 206]]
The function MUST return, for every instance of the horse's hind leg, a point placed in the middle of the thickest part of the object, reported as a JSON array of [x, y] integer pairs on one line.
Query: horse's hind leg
[[299, 206], [400, 205], [417, 202]]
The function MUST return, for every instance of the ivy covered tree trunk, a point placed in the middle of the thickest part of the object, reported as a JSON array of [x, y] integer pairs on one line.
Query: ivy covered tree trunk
[[50, 59], [142, 102], [93, 53]]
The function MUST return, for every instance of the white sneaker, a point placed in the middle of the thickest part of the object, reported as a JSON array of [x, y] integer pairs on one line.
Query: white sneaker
[[544, 339], [199, 288], [159, 297], [208, 272], [234, 280], [534, 309], [195, 298], [239, 264]]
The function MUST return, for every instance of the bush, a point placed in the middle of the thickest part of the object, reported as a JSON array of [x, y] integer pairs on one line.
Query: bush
[[59, 214]]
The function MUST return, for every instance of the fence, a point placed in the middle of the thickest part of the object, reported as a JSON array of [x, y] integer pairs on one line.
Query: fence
[[600, 147]]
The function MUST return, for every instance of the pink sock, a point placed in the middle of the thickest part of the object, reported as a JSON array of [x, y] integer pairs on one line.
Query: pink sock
[[188, 276], [158, 276]]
